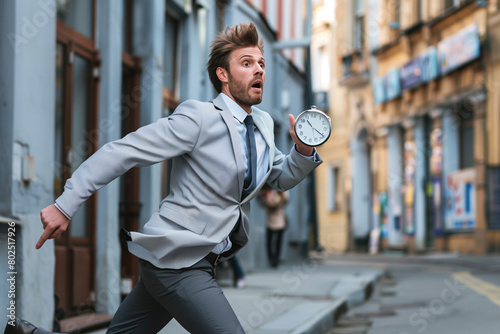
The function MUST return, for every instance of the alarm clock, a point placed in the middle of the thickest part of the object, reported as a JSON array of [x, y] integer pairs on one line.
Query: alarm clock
[[313, 127]]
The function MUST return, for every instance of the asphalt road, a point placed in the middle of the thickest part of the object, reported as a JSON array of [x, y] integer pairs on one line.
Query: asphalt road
[[442, 293]]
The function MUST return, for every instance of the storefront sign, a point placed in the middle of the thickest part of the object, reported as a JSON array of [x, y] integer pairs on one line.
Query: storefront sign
[[460, 201], [410, 74], [428, 65], [392, 84], [379, 91], [458, 49]]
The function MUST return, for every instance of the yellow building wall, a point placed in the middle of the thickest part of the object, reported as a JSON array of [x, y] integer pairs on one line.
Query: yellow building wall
[[493, 89], [493, 114], [333, 226]]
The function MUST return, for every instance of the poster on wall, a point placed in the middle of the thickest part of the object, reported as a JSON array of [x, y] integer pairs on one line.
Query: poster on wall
[[409, 187], [460, 200], [384, 218], [436, 159], [437, 217]]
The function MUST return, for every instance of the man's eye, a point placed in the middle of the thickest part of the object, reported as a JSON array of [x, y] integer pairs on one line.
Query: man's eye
[[246, 64], [262, 65]]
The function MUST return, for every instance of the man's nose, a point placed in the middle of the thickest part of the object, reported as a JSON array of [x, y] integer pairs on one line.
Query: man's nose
[[259, 69]]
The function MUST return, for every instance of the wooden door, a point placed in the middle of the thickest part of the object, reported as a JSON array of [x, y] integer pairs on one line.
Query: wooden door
[[77, 68]]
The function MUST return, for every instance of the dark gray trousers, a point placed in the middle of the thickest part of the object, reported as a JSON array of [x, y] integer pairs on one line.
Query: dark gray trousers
[[190, 295]]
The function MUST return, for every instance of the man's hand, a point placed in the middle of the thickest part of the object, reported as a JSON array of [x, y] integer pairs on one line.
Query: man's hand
[[54, 223], [301, 148]]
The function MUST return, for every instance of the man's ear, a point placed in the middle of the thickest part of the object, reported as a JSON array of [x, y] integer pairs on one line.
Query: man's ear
[[222, 74]]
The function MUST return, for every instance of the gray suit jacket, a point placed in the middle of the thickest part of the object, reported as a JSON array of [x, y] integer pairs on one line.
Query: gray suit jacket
[[204, 205]]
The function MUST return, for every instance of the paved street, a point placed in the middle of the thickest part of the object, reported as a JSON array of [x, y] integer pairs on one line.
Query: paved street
[[427, 294], [441, 293], [301, 297]]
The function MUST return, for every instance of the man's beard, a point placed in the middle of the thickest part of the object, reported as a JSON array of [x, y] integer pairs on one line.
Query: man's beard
[[241, 95]]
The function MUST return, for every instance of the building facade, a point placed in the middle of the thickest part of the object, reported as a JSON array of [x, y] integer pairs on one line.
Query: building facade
[[332, 98], [422, 105], [77, 74]]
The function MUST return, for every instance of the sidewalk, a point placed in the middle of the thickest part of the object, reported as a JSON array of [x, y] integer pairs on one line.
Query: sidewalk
[[304, 297]]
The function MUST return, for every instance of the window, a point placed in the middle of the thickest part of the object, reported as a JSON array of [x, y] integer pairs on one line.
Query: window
[[170, 100], [127, 26], [467, 143], [395, 14], [451, 3], [334, 188], [324, 69], [359, 19], [78, 15], [76, 128]]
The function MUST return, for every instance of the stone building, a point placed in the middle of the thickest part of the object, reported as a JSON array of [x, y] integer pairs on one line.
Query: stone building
[[422, 105]]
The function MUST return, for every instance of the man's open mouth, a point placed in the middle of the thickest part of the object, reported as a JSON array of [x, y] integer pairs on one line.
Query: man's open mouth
[[257, 85]]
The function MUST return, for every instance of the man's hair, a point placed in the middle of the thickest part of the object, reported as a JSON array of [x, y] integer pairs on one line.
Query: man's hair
[[244, 35]]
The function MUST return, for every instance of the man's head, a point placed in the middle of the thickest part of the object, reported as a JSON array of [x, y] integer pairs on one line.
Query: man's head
[[236, 64]]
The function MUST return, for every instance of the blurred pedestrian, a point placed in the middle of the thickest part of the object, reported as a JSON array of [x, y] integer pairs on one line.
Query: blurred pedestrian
[[238, 273], [274, 202], [222, 153]]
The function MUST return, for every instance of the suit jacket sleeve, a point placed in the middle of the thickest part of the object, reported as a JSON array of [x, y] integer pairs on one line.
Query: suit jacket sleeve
[[168, 137]]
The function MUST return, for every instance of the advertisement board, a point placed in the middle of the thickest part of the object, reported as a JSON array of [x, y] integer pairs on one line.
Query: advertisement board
[[458, 49], [460, 200], [410, 74], [379, 91], [392, 84], [428, 64]]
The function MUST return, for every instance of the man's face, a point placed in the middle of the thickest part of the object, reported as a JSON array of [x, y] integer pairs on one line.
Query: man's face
[[244, 82]]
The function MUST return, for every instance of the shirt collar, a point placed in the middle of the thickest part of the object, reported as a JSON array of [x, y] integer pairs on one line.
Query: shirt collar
[[235, 109]]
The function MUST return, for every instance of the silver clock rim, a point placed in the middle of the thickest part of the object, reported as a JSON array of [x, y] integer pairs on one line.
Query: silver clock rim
[[318, 112]]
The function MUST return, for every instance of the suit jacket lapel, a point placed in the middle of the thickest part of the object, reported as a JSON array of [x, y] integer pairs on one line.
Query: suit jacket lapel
[[228, 118]]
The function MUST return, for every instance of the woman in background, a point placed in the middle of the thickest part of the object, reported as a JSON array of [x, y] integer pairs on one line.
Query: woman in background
[[274, 202]]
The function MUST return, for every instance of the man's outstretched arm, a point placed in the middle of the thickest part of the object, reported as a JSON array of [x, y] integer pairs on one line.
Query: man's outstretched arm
[[164, 139]]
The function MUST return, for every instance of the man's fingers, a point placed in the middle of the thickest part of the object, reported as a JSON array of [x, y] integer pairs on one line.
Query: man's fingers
[[292, 127], [45, 236], [292, 122]]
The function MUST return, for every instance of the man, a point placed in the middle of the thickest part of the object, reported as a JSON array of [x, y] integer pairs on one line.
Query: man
[[220, 160]]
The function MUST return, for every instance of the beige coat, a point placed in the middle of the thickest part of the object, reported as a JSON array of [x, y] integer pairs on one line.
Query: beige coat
[[275, 201]]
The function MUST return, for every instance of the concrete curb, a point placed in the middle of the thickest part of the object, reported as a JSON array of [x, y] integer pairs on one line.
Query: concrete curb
[[318, 317]]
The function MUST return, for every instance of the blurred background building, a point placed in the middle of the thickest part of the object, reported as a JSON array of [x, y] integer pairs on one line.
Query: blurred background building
[[414, 97], [75, 74]]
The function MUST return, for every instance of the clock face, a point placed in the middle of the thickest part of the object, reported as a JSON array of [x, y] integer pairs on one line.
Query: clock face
[[313, 127]]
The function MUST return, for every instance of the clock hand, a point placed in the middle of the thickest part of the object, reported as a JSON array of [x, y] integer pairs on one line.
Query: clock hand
[[322, 135]]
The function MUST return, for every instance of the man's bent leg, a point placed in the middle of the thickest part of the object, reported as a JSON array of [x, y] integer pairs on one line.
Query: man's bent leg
[[139, 313], [193, 298]]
